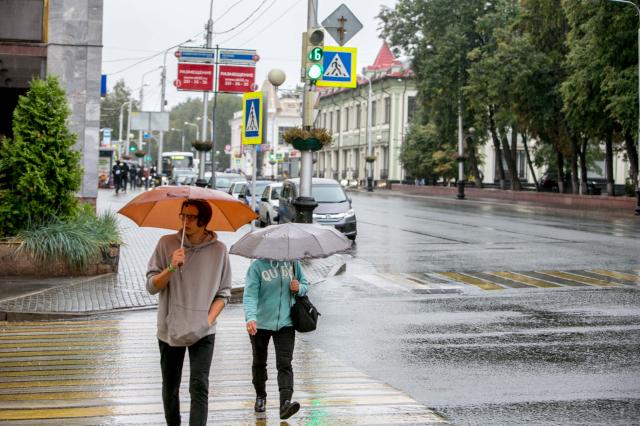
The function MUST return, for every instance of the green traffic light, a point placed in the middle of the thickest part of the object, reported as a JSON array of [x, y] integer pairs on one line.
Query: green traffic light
[[314, 71], [132, 148]]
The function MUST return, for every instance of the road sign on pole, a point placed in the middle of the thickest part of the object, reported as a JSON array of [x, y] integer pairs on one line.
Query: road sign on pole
[[236, 79], [339, 67], [196, 54], [252, 118], [342, 24], [194, 77]]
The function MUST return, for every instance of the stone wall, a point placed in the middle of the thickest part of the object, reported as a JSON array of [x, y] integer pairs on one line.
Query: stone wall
[[74, 54]]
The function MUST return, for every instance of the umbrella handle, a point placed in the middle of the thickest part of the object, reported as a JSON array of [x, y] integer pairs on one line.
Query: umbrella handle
[[184, 224]]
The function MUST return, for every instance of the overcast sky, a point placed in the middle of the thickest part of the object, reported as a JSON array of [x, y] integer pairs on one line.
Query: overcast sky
[[135, 30]]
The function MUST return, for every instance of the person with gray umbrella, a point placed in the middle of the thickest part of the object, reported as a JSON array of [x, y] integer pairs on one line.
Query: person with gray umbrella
[[272, 283], [270, 290]]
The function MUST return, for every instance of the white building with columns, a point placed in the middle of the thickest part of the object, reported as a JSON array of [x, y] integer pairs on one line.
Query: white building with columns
[[343, 112]]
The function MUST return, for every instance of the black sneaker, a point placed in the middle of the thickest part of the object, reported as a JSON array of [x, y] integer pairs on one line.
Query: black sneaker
[[288, 409], [261, 404]]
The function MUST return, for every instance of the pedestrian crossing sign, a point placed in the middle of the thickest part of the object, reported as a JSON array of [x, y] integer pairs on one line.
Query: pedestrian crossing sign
[[252, 118], [339, 67]]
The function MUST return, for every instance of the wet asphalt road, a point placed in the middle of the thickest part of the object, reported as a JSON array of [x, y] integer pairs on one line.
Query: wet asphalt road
[[562, 355]]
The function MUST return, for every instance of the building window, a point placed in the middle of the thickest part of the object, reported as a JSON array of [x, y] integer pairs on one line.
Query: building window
[[358, 115], [346, 118], [411, 108], [387, 110], [338, 120], [330, 127], [374, 104], [281, 130]]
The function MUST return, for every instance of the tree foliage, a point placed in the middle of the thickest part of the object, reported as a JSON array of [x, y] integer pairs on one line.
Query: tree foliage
[[110, 107], [562, 72], [39, 170]]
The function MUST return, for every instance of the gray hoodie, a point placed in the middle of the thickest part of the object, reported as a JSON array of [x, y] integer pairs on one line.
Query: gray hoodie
[[185, 301]]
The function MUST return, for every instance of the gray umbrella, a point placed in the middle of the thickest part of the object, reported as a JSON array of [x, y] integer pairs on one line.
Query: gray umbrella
[[291, 241]]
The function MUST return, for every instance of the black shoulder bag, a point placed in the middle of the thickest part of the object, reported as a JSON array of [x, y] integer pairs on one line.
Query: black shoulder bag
[[303, 314]]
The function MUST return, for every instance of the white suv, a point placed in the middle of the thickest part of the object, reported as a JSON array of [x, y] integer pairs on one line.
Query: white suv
[[269, 203]]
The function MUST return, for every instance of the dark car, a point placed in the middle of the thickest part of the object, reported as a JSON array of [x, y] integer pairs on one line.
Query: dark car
[[334, 205], [246, 195]]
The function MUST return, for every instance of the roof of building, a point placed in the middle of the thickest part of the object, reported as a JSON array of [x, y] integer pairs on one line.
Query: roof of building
[[385, 66]]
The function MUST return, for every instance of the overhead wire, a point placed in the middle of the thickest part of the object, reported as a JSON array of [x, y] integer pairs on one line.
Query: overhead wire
[[227, 11], [259, 32], [243, 21]]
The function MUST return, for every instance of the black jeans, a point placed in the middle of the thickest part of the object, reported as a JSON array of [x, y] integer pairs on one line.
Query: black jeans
[[283, 341], [171, 361]]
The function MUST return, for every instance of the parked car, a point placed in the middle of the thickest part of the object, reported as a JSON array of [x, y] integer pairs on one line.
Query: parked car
[[246, 194], [334, 205], [269, 203], [237, 188], [224, 180]]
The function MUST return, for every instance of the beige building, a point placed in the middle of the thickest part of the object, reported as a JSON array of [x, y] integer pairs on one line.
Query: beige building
[[344, 113]]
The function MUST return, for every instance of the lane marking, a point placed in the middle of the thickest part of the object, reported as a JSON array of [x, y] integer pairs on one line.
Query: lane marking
[[619, 275], [579, 279], [514, 276], [483, 284]]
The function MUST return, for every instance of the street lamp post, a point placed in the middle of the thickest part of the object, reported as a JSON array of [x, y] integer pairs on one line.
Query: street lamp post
[[369, 141], [638, 144], [186, 123], [142, 102], [173, 129], [163, 101], [120, 124]]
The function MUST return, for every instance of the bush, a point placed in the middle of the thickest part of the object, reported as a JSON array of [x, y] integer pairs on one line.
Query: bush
[[77, 241], [39, 171]]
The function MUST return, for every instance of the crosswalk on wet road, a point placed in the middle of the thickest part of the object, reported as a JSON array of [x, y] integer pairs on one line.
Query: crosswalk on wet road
[[490, 281], [106, 371]]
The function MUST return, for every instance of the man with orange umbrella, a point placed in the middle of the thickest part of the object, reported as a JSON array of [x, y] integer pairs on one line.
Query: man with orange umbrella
[[191, 272]]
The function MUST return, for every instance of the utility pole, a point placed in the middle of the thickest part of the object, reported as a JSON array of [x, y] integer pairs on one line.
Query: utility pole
[[205, 98], [305, 203], [369, 141]]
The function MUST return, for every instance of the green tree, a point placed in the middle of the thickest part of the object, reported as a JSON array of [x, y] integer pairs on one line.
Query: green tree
[[438, 35], [191, 111], [110, 109], [39, 170], [600, 92]]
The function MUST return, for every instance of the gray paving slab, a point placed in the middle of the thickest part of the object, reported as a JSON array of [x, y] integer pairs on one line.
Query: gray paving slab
[[126, 289]]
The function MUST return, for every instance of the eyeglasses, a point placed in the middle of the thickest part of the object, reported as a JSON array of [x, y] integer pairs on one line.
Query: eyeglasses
[[188, 217]]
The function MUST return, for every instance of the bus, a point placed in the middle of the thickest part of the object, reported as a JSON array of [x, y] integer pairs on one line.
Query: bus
[[176, 159]]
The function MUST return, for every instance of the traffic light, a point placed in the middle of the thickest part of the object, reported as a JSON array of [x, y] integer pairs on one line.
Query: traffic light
[[312, 53], [132, 148]]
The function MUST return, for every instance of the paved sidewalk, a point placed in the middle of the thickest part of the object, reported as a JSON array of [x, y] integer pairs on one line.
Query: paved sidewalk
[[24, 297]]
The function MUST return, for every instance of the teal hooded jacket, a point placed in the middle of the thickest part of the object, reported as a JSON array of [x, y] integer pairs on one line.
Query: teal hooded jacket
[[267, 298]]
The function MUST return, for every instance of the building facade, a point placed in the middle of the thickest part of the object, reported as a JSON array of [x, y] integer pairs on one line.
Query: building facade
[[343, 112], [276, 158], [62, 38]]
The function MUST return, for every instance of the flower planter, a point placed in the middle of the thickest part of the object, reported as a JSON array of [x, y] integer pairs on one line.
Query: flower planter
[[203, 146], [13, 264], [310, 144], [140, 154]]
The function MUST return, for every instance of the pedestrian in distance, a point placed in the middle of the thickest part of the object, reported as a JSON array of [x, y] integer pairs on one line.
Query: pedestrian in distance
[[133, 176], [194, 285], [269, 292], [125, 175], [116, 172]]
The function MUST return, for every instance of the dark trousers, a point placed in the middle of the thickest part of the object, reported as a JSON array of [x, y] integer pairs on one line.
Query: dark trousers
[[283, 341], [171, 361]]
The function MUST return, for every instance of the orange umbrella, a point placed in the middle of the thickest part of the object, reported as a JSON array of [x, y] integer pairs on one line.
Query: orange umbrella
[[159, 208]]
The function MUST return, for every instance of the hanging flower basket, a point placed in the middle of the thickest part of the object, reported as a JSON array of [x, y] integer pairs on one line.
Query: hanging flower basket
[[140, 154], [307, 140], [202, 145], [370, 158], [125, 157]]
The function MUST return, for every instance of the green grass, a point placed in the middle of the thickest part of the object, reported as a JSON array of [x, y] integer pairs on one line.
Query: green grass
[[77, 241]]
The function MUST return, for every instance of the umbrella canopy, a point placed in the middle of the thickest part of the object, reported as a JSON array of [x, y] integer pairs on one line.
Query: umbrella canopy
[[159, 208], [291, 241]]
